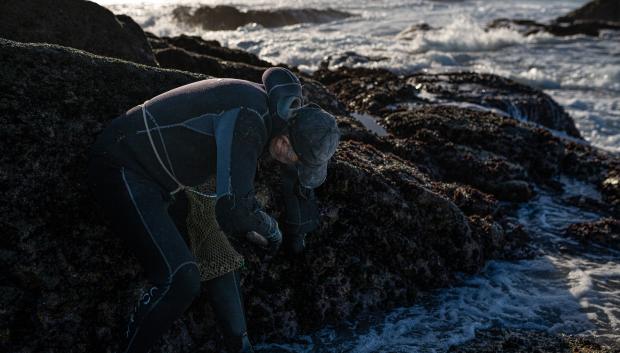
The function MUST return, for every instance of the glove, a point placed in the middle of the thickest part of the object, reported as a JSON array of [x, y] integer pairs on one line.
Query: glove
[[272, 233], [294, 244]]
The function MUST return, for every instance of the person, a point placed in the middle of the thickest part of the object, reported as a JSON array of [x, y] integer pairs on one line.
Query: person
[[178, 139]]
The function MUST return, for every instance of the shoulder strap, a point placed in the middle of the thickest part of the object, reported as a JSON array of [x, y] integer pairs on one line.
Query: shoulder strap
[[148, 132]]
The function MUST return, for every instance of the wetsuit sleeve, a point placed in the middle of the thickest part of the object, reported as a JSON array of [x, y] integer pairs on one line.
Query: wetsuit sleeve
[[301, 213], [238, 211]]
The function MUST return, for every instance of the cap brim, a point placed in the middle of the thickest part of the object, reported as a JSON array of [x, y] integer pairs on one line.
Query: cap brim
[[311, 176]]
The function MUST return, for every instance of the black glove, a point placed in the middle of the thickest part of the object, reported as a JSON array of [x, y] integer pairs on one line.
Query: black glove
[[294, 244], [301, 214], [237, 217]]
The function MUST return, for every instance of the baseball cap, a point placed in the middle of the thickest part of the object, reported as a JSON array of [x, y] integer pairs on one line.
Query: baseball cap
[[314, 135]]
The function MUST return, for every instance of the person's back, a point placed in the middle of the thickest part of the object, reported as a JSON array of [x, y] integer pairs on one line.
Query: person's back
[[181, 125]]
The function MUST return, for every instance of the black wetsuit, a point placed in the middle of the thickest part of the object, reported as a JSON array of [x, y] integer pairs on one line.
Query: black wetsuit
[[212, 127]]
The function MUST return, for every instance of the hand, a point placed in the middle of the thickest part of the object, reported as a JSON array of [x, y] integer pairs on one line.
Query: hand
[[294, 244], [270, 243]]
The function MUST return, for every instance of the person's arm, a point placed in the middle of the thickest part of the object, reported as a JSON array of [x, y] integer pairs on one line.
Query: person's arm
[[301, 212], [236, 209]]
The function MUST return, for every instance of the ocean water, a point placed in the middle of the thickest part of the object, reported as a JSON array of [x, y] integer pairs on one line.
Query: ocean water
[[582, 73], [568, 288]]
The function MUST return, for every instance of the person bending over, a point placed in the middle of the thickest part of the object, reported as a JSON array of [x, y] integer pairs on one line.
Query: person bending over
[[177, 140]]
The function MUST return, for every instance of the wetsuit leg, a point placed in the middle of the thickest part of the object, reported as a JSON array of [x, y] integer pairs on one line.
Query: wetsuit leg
[[137, 209], [225, 297]]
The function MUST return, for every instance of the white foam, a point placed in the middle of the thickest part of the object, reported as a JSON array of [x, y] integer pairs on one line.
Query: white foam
[[463, 34]]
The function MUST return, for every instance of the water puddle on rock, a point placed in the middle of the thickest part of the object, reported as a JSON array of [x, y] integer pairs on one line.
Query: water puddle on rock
[[370, 123], [568, 288]]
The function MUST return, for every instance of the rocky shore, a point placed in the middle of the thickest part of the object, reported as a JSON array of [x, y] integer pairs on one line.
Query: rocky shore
[[400, 214]]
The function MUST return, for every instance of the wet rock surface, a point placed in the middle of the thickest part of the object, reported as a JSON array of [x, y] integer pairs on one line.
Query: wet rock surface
[[457, 128], [58, 22], [604, 232], [381, 92], [374, 91], [516, 341], [492, 91], [224, 17]]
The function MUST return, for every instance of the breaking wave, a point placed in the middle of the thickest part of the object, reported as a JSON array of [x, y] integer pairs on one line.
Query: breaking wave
[[465, 35]]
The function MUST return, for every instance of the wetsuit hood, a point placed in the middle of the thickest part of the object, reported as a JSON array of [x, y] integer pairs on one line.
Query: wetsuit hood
[[284, 94]]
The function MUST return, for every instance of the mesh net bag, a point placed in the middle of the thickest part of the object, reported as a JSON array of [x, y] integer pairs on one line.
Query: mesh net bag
[[210, 246]]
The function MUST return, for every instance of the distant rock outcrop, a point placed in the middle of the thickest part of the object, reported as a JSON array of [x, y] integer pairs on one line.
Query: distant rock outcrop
[[589, 20], [529, 27], [224, 17], [77, 24], [596, 10]]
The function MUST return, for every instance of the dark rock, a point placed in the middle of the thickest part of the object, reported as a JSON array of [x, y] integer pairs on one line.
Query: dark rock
[[589, 19], [211, 48], [484, 150], [182, 59], [605, 231], [351, 58], [74, 23], [316, 93], [74, 281], [411, 31], [487, 90], [517, 340], [610, 187], [381, 92], [224, 17], [367, 90], [54, 100], [596, 10], [494, 153], [190, 57], [529, 27]]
